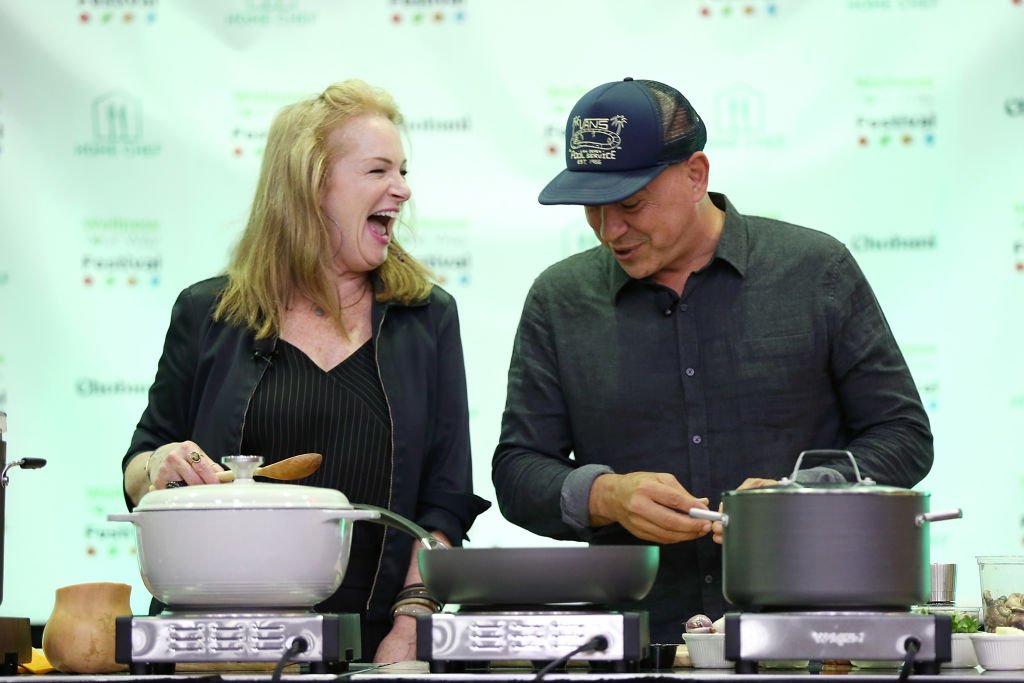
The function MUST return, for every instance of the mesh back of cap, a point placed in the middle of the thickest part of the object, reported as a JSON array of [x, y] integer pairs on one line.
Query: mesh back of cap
[[683, 130]]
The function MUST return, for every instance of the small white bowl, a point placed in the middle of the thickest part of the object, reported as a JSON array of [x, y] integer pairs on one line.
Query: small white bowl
[[707, 650], [998, 651], [963, 656]]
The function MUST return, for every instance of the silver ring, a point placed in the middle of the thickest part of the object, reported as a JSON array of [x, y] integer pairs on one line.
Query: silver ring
[[175, 484], [195, 456]]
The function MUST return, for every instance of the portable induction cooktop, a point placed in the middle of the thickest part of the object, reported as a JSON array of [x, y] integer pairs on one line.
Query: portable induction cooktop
[[325, 643], [481, 636], [837, 635]]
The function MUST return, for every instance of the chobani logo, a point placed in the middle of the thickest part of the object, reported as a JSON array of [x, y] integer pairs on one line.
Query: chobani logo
[[270, 14], [88, 387], [889, 5], [894, 243], [895, 112], [117, 12], [121, 251], [741, 119], [426, 12], [118, 129]]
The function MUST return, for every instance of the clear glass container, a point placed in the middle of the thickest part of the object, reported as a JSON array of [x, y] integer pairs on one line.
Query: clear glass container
[[1002, 591]]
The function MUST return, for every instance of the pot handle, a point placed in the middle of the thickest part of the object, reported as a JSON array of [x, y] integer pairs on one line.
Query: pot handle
[[920, 519], [396, 521], [121, 517], [826, 452], [709, 515]]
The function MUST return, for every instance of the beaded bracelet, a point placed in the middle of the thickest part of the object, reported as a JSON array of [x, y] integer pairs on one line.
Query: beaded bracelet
[[410, 610]]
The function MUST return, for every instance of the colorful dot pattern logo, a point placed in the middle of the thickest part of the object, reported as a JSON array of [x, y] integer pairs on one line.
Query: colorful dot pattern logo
[[731, 10], [427, 18]]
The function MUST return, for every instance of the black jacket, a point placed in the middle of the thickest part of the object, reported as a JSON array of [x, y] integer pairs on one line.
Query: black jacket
[[209, 370]]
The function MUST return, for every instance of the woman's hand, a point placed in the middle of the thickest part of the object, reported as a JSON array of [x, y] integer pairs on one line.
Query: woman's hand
[[181, 464]]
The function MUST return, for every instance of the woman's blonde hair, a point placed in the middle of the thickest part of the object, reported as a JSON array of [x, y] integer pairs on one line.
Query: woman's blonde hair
[[286, 248]]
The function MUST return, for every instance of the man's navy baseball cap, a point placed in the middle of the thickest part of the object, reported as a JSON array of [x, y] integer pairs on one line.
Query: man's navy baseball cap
[[619, 137]]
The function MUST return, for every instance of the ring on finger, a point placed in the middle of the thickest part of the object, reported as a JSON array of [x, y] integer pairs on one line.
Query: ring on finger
[[174, 484], [195, 456]]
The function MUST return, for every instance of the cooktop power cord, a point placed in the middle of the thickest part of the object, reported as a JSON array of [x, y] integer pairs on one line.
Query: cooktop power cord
[[595, 644]]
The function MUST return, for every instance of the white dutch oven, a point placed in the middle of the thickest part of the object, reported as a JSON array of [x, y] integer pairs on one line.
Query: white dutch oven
[[248, 544]]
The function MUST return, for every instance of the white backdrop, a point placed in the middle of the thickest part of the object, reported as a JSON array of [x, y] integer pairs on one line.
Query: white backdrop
[[131, 134]]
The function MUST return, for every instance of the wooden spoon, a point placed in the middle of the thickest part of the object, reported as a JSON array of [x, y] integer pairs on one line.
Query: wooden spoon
[[289, 469]]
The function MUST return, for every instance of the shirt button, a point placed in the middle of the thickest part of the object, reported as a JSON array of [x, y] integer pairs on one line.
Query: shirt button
[[684, 307], [696, 438], [709, 579], [690, 372]]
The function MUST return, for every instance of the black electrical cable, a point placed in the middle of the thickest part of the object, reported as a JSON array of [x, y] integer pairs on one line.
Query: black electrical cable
[[912, 646], [595, 644], [297, 646]]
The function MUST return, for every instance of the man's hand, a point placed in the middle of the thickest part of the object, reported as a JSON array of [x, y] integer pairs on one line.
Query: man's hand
[[717, 529], [650, 505]]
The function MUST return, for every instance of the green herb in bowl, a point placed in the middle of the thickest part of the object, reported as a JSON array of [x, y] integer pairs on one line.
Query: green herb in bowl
[[965, 623]]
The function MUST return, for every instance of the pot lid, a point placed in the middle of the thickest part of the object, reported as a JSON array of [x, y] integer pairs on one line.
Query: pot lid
[[244, 493], [793, 488], [862, 485]]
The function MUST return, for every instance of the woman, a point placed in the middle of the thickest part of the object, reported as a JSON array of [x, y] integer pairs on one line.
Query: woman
[[325, 336]]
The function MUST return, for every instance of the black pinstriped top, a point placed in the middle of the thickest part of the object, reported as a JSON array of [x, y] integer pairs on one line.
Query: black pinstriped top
[[343, 414]]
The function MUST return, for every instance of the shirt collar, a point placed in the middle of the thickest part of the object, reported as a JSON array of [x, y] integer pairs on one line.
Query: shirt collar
[[733, 247]]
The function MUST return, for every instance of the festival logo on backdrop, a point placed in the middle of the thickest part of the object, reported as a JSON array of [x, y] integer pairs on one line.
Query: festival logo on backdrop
[[895, 113], [741, 119], [118, 129], [426, 12], [103, 539], [116, 12], [271, 13], [254, 110], [443, 245], [560, 102], [728, 9], [121, 252]]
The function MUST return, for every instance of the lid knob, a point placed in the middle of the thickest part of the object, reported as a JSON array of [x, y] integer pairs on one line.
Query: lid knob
[[244, 467]]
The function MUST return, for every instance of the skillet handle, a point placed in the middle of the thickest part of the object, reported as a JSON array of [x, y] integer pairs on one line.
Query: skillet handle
[[709, 515], [396, 521]]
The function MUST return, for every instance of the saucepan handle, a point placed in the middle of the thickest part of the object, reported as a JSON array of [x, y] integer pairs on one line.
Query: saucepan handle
[[920, 519], [709, 515]]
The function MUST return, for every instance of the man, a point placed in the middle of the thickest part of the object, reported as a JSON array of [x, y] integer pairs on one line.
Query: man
[[695, 351]]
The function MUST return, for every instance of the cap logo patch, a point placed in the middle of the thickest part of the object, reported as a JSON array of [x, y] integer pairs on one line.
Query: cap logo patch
[[595, 139]]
